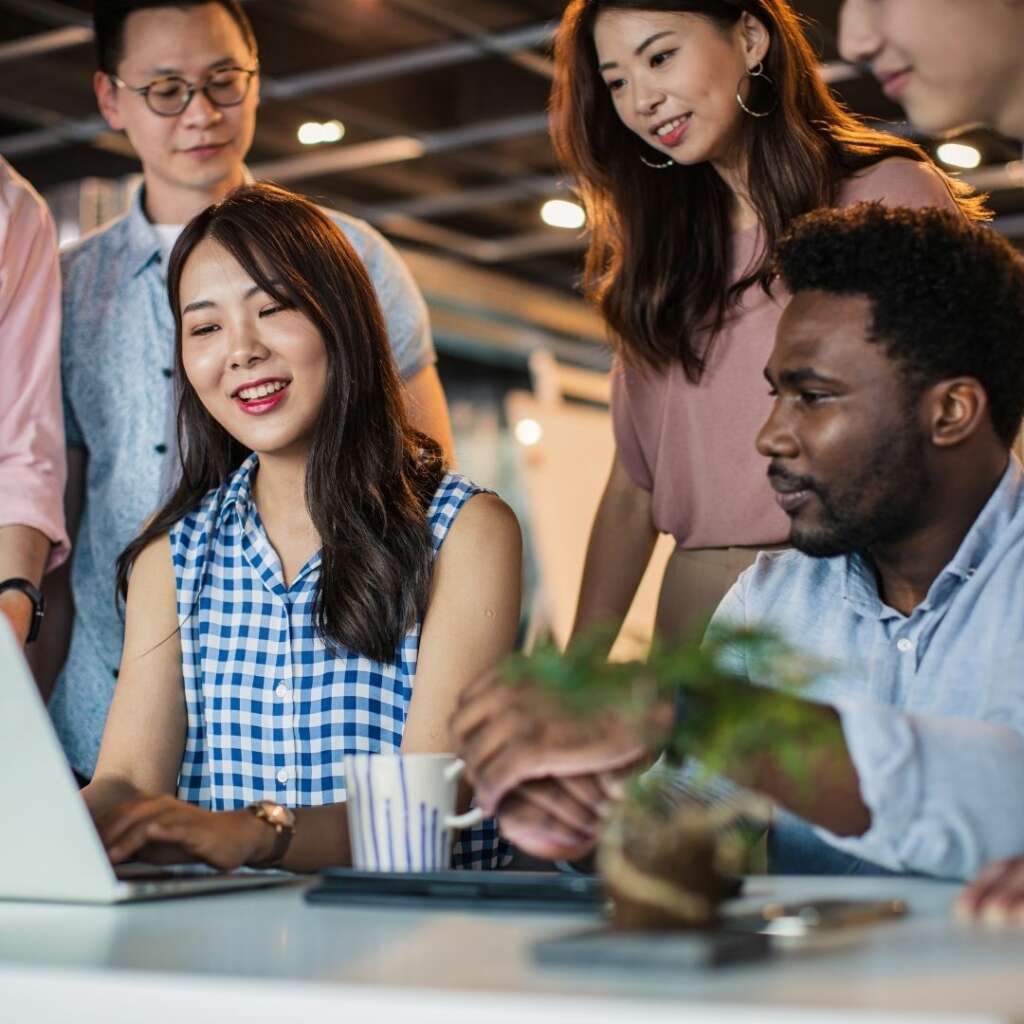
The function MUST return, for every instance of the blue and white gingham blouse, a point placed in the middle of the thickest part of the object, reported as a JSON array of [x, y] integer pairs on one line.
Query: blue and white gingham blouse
[[271, 712]]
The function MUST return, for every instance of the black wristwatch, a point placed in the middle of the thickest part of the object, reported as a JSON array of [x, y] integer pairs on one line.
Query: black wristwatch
[[33, 593]]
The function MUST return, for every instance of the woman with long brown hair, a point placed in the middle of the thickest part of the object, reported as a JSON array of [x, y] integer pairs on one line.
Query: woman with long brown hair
[[696, 131], [317, 585]]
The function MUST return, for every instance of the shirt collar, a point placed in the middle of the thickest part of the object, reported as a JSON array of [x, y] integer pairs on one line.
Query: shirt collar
[[143, 239], [860, 586], [993, 519], [238, 491]]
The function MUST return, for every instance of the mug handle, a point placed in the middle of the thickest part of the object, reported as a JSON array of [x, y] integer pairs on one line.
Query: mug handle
[[474, 815]]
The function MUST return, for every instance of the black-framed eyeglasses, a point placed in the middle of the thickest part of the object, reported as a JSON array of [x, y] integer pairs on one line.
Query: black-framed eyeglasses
[[168, 97]]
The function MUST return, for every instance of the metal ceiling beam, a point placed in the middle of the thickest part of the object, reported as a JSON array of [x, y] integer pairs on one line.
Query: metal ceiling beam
[[481, 250], [45, 42], [1012, 225], [399, 147], [426, 58], [836, 71], [998, 178], [489, 292], [41, 139], [428, 11], [466, 200], [48, 11], [294, 86]]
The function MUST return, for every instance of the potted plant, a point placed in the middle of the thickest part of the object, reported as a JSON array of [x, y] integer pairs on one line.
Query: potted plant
[[676, 843]]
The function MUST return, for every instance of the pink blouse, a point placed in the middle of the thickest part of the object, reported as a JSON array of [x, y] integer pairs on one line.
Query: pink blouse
[[32, 462], [692, 445]]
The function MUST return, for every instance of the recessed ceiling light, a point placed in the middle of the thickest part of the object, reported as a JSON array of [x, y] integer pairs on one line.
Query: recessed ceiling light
[[332, 131], [312, 133], [528, 432], [956, 154], [561, 213]]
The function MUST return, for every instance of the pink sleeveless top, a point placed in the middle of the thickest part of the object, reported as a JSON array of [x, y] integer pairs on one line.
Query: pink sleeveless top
[[692, 445]]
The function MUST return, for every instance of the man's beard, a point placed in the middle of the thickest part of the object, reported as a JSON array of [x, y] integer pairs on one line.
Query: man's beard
[[880, 505]]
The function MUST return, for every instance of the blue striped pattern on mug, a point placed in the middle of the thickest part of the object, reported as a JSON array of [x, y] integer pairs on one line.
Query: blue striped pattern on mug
[[389, 828]]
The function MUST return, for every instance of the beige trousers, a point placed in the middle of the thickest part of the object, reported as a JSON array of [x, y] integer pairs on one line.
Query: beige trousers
[[693, 585]]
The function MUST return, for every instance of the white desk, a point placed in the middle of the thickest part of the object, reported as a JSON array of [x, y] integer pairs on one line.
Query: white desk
[[269, 956]]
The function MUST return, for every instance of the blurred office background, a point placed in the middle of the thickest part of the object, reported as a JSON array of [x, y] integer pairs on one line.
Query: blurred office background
[[427, 118]]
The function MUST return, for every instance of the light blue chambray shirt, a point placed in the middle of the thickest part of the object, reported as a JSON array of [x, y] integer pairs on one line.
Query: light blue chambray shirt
[[117, 351], [932, 704]]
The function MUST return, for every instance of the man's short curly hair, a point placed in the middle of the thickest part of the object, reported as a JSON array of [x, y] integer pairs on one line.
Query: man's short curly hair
[[947, 295]]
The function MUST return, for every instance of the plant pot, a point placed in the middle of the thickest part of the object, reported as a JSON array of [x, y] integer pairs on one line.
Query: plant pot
[[669, 868]]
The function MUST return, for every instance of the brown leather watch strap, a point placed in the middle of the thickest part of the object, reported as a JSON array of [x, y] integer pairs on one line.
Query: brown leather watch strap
[[285, 829]]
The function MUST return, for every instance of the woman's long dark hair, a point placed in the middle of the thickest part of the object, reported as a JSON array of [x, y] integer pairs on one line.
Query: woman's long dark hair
[[370, 477], [658, 264]]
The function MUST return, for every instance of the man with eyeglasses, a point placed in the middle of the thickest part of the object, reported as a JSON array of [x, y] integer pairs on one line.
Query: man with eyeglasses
[[181, 80]]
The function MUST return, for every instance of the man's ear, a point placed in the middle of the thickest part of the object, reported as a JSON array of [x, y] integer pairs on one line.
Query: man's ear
[[108, 100], [756, 39], [956, 410]]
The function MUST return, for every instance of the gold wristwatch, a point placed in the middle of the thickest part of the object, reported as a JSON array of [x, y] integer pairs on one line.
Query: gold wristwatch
[[282, 821]]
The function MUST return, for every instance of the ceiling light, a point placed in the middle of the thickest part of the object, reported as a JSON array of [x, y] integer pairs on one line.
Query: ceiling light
[[312, 133], [956, 154], [528, 432], [332, 131], [561, 213]]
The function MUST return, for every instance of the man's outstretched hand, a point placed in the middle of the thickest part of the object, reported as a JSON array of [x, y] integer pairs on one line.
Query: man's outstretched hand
[[546, 773]]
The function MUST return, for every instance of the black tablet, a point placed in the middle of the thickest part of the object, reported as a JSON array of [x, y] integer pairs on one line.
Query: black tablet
[[477, 890]]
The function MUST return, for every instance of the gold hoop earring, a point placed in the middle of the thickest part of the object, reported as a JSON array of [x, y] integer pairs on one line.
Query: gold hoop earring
[[658, 167], [757, 71]]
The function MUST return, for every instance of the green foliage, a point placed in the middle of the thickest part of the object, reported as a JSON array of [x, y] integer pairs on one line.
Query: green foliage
[[723, 719]]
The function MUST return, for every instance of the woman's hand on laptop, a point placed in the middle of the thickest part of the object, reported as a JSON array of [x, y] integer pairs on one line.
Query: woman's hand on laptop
[[165, 830]]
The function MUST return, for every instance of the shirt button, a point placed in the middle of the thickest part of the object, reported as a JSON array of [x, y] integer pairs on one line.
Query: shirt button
[[167, 372], [282, 776], [904, 645], [160, 449], [281, 691]]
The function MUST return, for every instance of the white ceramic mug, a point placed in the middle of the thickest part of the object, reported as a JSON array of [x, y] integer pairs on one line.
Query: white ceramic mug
[[401, 810]]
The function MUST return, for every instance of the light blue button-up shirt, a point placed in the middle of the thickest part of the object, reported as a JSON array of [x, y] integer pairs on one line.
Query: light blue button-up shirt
[[932, 704], [117, 354]]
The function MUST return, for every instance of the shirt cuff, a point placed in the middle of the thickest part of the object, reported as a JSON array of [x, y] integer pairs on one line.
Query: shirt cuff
[[883, 747], [49, 522]]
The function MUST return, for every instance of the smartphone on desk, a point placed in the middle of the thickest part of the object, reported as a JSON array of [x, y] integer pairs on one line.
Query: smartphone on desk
[[813, 917], [607, 948]]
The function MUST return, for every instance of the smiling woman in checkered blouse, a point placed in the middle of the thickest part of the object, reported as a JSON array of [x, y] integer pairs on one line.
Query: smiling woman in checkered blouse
[[267, 635]]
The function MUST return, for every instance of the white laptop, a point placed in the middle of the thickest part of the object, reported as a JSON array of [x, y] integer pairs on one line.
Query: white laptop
[[49, 849]]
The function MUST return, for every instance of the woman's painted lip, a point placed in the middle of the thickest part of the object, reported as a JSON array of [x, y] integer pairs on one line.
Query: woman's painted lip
[[259, 406], [674, 138], [893, 85]]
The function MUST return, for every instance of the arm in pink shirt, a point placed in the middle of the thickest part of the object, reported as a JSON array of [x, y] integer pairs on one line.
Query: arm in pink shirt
[[32, 461]]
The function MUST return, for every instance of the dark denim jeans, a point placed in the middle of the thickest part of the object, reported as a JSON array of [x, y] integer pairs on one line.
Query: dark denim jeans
[[795, 849]]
